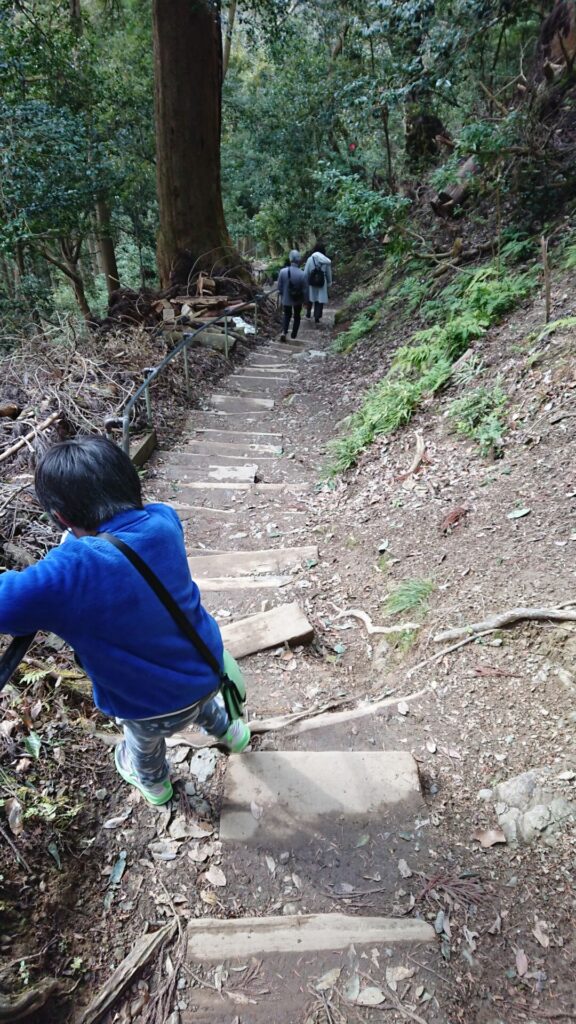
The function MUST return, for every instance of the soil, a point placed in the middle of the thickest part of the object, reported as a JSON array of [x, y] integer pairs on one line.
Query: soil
[[482, 714]]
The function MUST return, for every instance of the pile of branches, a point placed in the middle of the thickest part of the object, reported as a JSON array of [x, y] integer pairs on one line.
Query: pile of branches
[[203, 297]]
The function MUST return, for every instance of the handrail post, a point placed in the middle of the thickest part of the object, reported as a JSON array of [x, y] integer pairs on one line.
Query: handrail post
[[226, 336], [186, 370], [255, 317], [148, 399], [126, 434]]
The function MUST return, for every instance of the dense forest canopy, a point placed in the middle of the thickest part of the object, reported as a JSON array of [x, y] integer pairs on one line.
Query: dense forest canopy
[[338, 118]]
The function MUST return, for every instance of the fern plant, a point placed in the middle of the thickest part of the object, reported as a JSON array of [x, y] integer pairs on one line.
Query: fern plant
[[479, 415]]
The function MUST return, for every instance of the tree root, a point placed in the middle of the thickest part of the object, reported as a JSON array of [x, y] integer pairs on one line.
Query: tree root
[[29, 1002], [507, 619]]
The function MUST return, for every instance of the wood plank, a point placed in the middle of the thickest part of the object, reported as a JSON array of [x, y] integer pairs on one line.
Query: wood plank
[[238, 404], [246, 563], [286, 623]]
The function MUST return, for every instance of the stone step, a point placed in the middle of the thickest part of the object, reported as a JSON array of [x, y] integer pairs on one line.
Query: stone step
[[231, 433], [231, 448], [286, 623], [221, 584], [243, 422], [219, 939], [187, 512], [246, 385], [297, 791], [259, 377], [236, 404], [272, 369], [213, 473], [226, 495], [197, 459], [219, 564], [269, 362]]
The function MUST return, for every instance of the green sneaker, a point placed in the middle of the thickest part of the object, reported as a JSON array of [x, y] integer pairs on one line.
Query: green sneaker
[[156, 793], [237, 737]]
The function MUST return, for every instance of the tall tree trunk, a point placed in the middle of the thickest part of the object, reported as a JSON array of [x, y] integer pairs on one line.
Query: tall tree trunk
[[188, 94], [106, 246], [76, 17], [228, 36]]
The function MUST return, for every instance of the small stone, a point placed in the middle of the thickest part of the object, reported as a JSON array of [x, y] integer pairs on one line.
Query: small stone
[[101, 794], [284, 857], [203, 764], [290, 908], [485, 794]]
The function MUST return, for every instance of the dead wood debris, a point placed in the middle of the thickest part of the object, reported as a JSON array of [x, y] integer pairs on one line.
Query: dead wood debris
[[418, 457], [140, 954]]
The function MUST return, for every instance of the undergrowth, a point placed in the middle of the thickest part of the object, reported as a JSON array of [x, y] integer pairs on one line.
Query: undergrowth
[[470, 304], [479, 415], [409, 595], [359, 327]]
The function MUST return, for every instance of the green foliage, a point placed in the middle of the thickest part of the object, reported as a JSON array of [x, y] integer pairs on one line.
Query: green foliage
[[469, 306], [359, 328], [355, 205], [479, 415], [564, 323], [409, 595]]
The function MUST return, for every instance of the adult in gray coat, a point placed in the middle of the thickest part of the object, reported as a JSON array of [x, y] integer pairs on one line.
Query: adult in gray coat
[[318, 271], [293, 291]]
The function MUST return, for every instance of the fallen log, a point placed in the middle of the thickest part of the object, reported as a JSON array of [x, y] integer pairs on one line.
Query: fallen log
[[445, 201], [507, 618]]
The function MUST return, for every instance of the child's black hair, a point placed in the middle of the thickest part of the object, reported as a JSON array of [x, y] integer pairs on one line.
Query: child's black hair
[[87, 480]]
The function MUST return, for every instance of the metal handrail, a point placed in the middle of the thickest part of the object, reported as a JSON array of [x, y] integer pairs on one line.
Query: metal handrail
[[182, 346]]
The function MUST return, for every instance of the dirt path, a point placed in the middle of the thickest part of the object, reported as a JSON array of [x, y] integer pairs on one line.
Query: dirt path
[[373, 816]]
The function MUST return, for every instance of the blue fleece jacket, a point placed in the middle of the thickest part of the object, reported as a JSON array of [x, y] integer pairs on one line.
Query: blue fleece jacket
[[87, 592]]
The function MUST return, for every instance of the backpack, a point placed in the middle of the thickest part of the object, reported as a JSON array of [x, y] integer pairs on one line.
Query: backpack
[[317, 276], [295, 290]]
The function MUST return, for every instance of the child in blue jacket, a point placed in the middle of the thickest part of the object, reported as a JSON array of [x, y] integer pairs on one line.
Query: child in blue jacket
[[145, 672]]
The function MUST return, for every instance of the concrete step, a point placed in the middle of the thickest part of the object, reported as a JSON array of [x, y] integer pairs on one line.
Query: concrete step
[[230, 448], [221, 564], [226, 431], [218, 939], [301, 791], [213, 473], [237, 404]]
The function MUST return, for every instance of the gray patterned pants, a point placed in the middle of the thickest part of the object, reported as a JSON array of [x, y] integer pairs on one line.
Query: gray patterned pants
[[145, 738]]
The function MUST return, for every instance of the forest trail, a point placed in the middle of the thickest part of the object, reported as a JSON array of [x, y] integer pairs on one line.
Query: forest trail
[[302, 828]]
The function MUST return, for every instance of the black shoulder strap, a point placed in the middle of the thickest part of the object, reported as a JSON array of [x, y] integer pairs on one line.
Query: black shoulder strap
[[166, 598]]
